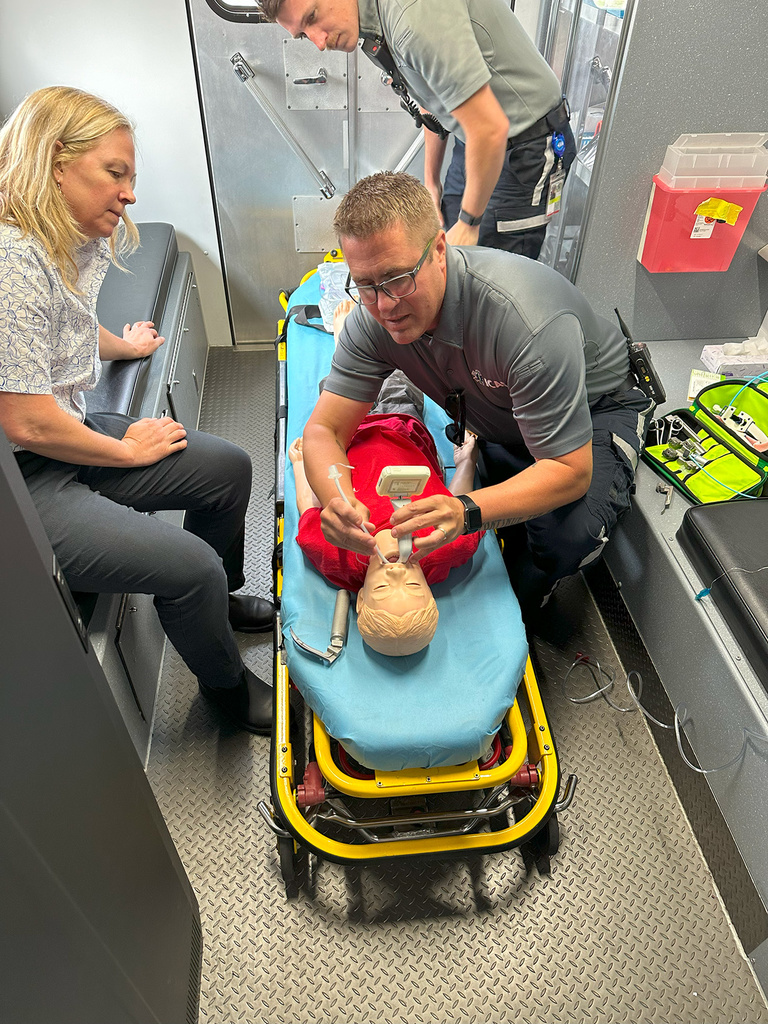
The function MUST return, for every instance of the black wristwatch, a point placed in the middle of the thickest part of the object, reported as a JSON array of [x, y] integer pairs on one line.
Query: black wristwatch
[[473, 517], [467, 218]]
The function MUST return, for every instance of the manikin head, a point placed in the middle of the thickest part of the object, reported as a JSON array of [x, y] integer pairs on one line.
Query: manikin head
[[388, 226], [396, 612]]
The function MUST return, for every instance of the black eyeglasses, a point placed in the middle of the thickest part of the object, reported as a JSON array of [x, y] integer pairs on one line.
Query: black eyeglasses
[[456, 407], [396, 287]]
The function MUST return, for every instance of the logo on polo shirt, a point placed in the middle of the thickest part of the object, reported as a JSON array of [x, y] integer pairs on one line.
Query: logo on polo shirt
[[480, 379]]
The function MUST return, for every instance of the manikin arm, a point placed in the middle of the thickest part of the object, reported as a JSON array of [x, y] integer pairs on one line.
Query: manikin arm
[[327, 436]]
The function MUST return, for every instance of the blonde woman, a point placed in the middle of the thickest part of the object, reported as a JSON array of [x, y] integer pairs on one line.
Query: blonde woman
[[67, 176]]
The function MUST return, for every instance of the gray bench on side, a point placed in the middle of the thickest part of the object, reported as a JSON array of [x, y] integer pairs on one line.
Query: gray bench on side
[[160, 287]]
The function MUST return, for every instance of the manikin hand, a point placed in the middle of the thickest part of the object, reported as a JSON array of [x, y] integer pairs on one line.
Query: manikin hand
[[150, 440], [467, 452], [142, 337]]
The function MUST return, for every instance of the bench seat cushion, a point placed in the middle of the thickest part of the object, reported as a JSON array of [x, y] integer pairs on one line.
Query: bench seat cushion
[[729, 537], [128, 297]]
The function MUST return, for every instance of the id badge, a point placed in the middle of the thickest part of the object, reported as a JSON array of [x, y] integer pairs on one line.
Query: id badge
[[556, 181]]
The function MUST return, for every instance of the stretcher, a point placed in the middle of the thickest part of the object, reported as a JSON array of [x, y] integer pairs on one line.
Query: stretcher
[[441, 753]]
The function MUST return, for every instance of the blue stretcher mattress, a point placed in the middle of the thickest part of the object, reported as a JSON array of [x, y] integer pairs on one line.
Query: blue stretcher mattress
[[438, 707]]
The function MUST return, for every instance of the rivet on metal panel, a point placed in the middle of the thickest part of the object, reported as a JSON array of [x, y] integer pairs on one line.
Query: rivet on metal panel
[[546, 746], [283, 770]]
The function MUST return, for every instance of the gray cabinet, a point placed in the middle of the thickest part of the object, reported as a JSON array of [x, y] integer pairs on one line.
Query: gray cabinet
[[99, 920]]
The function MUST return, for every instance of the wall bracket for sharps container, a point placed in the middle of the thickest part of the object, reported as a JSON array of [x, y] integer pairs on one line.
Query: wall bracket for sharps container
[[701, 201]]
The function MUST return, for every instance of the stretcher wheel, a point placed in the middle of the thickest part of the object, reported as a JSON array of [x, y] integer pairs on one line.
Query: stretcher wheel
[[544, 845], [289, 866]]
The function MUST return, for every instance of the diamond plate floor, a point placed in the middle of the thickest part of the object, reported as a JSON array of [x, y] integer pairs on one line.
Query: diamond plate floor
[[628, 928]]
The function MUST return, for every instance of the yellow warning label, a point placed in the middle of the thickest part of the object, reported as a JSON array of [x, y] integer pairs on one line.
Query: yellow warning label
[[719, 209]]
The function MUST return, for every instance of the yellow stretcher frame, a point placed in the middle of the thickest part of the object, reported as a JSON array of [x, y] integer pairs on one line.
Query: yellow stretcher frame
[[536, 745]]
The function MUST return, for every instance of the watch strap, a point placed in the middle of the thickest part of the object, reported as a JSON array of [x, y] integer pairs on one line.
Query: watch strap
[[467, 218], [473, 516]]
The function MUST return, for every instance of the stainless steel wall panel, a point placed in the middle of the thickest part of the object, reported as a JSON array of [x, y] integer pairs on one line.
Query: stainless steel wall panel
[[303, 63], [255, 173], [313, 223]]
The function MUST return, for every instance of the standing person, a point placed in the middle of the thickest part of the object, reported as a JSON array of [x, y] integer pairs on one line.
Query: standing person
[[67, 174], [471, 64], [515, 353]]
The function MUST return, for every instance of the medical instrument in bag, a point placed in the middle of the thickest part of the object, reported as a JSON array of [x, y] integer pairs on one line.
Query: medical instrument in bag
[[400, 484]]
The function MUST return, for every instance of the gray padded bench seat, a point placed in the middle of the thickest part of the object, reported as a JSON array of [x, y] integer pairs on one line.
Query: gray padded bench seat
[[722, 539], [123, 628], [128, 297], [695, 651]]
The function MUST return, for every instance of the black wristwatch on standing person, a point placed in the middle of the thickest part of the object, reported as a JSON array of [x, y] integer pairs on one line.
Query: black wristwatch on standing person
[[473, 517]]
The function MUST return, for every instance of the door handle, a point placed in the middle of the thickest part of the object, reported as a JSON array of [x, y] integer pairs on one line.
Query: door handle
[[322, 78]]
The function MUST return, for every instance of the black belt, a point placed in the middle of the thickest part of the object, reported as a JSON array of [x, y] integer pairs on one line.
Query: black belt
[[544, 125]]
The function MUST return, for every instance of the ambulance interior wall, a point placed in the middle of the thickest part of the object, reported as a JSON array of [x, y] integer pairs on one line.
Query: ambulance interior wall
[[141, 60], [690, 66]]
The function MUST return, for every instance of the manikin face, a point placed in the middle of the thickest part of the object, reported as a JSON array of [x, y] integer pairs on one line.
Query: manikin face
[[98, 185], [394, 587], [387, 254], [329, 24]]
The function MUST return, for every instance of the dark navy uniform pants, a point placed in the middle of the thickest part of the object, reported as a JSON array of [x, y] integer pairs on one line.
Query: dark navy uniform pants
[[516, 216], [541, 552]]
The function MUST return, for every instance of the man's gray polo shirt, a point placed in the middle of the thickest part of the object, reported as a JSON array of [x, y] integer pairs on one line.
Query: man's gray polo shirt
[[448, 49], [521, 340]]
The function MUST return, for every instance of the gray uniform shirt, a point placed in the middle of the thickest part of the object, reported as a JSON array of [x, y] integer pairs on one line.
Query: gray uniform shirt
[[520, 339], [448, 49]]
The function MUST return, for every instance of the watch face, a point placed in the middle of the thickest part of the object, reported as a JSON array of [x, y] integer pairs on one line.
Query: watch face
[[473, 517]]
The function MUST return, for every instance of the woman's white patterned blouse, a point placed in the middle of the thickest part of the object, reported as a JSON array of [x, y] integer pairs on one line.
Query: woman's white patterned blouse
[[49, 337]]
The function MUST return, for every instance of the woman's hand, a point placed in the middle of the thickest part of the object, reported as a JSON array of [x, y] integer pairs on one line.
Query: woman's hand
[[150, 440], [142, 337], [342, 526]]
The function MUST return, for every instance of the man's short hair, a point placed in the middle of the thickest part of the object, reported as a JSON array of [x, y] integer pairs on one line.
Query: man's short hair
[[384, 200], [269, 8]]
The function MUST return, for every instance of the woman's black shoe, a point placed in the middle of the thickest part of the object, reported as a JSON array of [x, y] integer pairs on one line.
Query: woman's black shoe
[[248, 705]]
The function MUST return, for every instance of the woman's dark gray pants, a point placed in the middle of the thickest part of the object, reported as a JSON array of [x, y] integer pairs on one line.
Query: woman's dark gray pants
[[105, 544]]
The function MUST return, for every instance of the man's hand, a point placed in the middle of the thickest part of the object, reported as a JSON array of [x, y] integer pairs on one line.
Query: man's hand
[[342, 526], [463, 234], [441, 513], [142, 337], [150, 440]]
